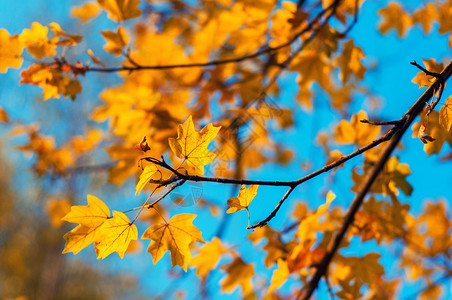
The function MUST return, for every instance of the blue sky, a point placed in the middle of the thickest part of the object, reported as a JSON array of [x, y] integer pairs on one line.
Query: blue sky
[[390, 80]]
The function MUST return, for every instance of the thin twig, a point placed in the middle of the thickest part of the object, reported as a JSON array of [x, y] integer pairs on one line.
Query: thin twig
[[166, 193], [434, 74]]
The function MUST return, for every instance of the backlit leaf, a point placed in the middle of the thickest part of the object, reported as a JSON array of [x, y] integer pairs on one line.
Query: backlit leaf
[[445, 114], [115, 41], [208, 257], [115, 235], [35, 39], [246, 195], [85, 12], [176, 235], [10, 50], [240, 274], [121, 10], [147, 174], [192, 146], [356, 132]]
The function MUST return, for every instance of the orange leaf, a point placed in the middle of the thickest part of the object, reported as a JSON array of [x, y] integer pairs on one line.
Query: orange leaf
[[121, 10], [10, 50]]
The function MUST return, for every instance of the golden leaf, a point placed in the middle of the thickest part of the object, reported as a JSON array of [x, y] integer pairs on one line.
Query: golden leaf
[[445, 114], [115, 41], [280, 275], [85, 12], [394, 16], [356, 132], [239, 274], [35, 39], [246, 195], [10, 50], [350, 62], [115, 235], [147, 174], [121, 10], [438, 132], [175, 236], [426, 80], [90, 218], [57, 209], [192, 146], [68, 39], [208, 257]]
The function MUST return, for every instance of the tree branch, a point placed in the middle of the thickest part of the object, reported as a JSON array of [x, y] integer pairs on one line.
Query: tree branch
[[266, 50], [407, 119]]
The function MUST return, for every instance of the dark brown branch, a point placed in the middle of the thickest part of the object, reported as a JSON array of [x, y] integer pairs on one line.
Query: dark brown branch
[[382, 123], [333, 246]]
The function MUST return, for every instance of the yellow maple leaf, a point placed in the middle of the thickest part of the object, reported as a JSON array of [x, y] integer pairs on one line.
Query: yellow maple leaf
[[426, 16], [246, 195], [192, 146], [312, 66], [445, 114], [56, 209], [394, 16], [35, 39], [121, 10], [279, 276], [147, 174], [90, 218], [436, 131], [356, 132], [364, 269], [175, 236], [426, 80], [68, 39], [85, 12], [239, 274], [115, 40], [51, 80], [208, 257], [311, 224], [81, 144], [350, 62], [10, 50], [115, 235], [348, 291]]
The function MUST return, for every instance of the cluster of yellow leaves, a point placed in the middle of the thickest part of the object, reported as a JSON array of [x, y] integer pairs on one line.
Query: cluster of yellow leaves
[[52, 80], [51, 158], [389, 181], [381, 220], [109, 234], [396, 17], [48, 157]]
